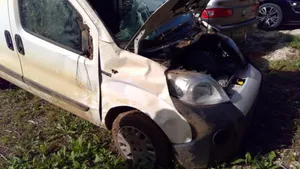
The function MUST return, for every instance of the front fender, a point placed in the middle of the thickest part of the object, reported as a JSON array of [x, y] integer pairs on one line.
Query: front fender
[[117, 93]]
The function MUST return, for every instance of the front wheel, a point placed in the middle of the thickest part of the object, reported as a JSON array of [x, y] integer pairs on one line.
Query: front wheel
[[140, 140], [270, 16]]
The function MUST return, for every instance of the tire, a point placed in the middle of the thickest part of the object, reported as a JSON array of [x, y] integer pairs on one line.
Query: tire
[[4, 84], [140, 141], [266, 15]]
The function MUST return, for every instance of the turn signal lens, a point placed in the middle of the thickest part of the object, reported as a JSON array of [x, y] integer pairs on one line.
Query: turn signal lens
[[216, 13]]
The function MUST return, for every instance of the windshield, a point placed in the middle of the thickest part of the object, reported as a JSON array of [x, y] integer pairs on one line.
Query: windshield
[[124, 18], [133, 15]]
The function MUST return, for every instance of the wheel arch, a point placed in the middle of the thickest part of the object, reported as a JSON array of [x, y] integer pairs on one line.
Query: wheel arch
[[175, 128], [113, 113]]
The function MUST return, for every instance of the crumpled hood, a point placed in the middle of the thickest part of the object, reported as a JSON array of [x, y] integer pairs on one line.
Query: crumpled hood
[[165, 13]]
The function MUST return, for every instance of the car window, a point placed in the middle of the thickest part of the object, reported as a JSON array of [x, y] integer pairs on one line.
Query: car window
[[54, 20]]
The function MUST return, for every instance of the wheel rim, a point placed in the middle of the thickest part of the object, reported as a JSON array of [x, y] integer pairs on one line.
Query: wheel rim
[[136, 146], [268, 16]]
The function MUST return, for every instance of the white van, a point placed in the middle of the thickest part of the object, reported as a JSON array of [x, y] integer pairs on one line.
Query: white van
[[147, 70]]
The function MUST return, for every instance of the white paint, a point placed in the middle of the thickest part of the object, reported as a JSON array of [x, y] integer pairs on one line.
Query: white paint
[[244, 96], [139, 83], [8, 58]]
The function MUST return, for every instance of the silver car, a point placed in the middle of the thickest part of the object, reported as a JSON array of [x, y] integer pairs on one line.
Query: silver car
[[234, 18]]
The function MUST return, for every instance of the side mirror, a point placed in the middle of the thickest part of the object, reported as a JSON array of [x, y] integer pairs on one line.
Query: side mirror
[[86, 39], [87, 44]]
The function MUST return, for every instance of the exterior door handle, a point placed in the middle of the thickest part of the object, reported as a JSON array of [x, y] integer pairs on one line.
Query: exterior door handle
[[9, 41], [19, 44]]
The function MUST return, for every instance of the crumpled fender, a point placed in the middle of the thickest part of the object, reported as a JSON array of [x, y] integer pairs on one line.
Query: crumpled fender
[[141, 83], [132, 80]]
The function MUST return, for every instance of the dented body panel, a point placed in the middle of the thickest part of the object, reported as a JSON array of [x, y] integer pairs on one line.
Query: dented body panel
[[210, 124], [141, 83], [126, 78], [59, 75], [75, 82]]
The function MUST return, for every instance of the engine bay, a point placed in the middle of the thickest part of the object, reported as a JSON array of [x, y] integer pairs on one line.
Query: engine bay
[[210, 54]]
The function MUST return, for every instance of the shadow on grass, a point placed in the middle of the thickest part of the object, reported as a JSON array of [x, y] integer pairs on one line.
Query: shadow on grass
[[277, 121], [276, 124], [6, 85], [278, 108]]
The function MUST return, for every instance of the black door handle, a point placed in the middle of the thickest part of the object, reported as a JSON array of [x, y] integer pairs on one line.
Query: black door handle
[[19, 44], [9, 41]]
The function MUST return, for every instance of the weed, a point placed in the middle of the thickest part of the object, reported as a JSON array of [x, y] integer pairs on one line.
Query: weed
[[36, 134], [295, 42], [77, 154], [260, 162]]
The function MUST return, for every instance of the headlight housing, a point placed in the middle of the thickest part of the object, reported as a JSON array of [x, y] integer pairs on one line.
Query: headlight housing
[[195, 88]]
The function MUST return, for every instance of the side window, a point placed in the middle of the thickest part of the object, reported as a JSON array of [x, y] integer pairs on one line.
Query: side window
[[56, 21]]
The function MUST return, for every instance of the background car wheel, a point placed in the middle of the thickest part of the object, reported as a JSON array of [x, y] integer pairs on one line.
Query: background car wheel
[[269, 16], [140, 141]]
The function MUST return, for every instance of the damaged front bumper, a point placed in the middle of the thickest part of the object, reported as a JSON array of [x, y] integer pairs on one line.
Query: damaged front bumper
[[218, 130]]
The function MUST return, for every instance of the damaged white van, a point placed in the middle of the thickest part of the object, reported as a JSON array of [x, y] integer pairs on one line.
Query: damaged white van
[[146, 69]]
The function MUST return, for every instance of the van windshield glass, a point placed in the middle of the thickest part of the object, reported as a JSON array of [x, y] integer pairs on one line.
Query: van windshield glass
[[125, 17], [134, 14]]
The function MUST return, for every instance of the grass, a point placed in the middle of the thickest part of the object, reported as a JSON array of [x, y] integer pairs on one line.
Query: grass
[[285, 65], [36, 134], [77, 154], [295, 42], [259, 162]]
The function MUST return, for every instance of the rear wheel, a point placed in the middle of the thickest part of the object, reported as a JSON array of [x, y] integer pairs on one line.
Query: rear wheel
[[140, 141], [270, 16]]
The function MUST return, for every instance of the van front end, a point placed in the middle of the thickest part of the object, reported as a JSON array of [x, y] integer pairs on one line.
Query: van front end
[[218, 129]]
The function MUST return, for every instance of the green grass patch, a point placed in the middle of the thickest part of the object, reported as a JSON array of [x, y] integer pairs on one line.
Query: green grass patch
[[36, 134], [258, 162], [295, 42], [285, 65], [80, 153]]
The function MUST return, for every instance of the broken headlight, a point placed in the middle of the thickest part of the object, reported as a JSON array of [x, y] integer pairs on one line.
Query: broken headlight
[[195, 88]]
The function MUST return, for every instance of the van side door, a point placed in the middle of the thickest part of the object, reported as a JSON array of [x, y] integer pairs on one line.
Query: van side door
[[58, 47], [10, 66]]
